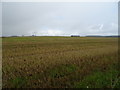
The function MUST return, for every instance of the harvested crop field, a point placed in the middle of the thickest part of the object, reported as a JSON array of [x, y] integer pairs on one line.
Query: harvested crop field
[[60, 62]]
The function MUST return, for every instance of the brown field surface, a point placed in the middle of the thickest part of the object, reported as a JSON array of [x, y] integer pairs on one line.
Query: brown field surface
[[60, 62]]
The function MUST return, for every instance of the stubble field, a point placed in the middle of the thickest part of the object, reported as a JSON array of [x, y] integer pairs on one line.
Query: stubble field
[[60, 62]]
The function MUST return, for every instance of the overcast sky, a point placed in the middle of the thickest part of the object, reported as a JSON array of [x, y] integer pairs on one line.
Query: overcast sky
[[58, 19]]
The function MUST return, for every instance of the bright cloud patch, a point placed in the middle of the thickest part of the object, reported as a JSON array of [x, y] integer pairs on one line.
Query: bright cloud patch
[[50, 32], [96, 27], [103, 29]]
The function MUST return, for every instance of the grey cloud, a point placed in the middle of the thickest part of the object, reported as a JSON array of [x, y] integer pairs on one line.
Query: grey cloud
[[57, 18], [0, 19]]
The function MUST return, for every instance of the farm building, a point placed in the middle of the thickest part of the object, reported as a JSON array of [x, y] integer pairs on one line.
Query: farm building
[[75, 35]]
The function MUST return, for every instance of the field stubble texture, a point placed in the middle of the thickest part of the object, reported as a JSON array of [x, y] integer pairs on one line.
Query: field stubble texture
[[60, 62]]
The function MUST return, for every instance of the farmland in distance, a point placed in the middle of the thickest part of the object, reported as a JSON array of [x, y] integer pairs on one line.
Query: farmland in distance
[[60, 62]]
